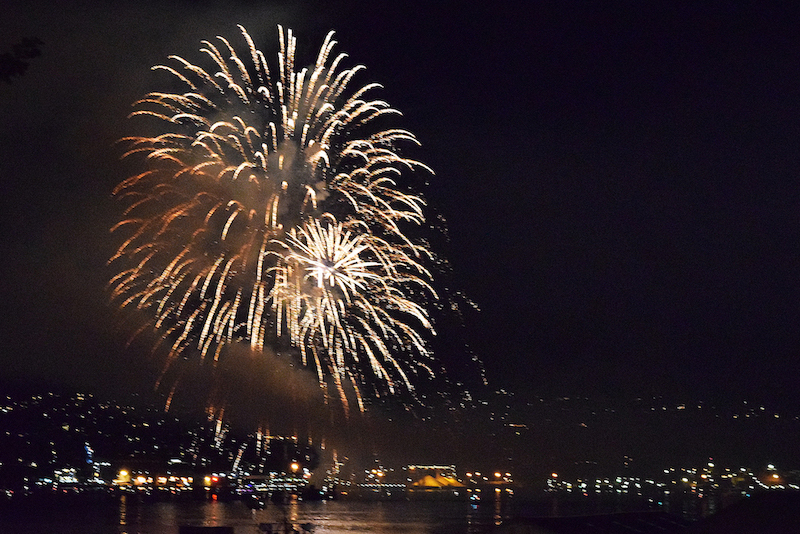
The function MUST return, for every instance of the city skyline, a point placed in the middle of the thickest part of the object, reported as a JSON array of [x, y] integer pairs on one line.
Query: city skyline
[[88, 440], [619, 185]]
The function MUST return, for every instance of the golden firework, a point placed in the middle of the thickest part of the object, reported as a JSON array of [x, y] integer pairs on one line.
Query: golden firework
[[271, 209]]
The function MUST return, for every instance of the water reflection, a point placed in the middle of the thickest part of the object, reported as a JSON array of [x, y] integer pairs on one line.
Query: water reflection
[[134, 514], [123, 513], [688, 506], [327, 517], [498, 507]]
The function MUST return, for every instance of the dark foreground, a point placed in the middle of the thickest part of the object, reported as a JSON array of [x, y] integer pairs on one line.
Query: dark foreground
[[774, 512]]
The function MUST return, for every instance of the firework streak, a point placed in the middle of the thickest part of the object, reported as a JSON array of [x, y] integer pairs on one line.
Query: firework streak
[[270, 210]]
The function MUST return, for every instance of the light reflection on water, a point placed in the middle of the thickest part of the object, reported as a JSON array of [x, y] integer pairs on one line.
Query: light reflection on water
[[129, 515], [328, 517]]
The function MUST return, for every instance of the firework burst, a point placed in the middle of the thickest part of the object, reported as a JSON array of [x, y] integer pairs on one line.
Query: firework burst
[[269, 209]]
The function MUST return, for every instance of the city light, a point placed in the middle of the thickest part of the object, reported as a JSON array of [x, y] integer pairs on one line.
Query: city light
[[183, 450]]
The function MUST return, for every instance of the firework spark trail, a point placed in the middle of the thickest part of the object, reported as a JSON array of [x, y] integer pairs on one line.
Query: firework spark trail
[[271, 208]]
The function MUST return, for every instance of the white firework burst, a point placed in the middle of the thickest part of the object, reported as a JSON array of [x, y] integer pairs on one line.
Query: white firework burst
[[271, 207]]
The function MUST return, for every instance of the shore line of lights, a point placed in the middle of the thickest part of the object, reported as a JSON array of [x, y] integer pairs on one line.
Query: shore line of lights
[[707, 480]]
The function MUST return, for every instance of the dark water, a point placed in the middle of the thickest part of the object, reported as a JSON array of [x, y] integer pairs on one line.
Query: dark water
[[128, 515]]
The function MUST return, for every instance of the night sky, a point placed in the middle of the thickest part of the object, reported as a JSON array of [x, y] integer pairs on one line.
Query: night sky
[[619, 180]]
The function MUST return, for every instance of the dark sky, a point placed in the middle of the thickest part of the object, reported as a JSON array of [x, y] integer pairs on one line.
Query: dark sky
[[620, 179]]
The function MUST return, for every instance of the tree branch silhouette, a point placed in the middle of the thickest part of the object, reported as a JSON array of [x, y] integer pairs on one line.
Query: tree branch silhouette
[[15, 63]]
